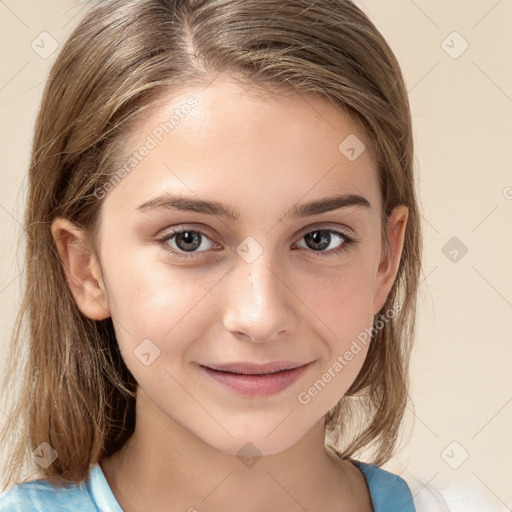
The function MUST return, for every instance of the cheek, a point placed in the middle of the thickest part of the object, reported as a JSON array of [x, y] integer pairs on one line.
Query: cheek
[[340, 311], [152, 301], [340, 298]]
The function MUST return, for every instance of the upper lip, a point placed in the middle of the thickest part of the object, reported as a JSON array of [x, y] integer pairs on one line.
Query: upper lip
[[254, 368]]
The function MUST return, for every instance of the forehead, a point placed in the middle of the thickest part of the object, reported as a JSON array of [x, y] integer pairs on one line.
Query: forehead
[[245, 147]]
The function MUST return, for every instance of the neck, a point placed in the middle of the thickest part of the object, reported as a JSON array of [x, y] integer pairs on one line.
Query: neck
[[165, 467]]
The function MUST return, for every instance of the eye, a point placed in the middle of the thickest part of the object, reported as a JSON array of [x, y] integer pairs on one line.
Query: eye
[[321, 239], [186, 241], [192, 243]]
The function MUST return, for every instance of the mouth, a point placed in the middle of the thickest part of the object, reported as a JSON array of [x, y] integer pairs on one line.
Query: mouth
[[250, 380], [246, 368]]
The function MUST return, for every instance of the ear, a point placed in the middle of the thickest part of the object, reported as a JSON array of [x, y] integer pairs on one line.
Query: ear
[[390, 261], [82, 269]]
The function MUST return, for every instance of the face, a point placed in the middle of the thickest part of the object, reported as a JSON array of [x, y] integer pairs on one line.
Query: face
[[268, 281]]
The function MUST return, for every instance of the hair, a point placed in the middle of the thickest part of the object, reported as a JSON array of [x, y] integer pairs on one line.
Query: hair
[[119, 62]]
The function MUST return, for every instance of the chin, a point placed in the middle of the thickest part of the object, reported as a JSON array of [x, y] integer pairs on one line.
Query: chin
[[259, 444]]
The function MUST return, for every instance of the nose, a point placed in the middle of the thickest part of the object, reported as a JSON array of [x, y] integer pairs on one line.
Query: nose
[[260, 301]]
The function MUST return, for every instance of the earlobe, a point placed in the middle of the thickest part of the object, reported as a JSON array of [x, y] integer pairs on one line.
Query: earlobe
[[390, 262], [81, 268]]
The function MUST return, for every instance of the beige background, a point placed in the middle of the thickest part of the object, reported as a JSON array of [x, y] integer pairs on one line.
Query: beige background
[[462, 109]]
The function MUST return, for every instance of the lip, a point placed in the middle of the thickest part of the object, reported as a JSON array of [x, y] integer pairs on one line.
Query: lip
[[254, 368], [255, 380]]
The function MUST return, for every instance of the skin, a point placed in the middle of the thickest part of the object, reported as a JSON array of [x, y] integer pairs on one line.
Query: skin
[[261, 156]]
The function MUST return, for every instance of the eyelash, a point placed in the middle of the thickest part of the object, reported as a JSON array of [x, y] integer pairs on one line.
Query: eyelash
[[348, 242]]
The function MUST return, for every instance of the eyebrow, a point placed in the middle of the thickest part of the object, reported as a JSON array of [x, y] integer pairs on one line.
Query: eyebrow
[[181, 203]]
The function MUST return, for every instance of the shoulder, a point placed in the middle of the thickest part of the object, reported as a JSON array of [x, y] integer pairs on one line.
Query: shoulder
[[387, 490], [377, 475], [438, 493], [42, 496], [422, 492]]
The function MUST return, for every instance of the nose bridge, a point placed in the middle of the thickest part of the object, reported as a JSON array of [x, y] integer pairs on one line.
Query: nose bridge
[[259, 304]]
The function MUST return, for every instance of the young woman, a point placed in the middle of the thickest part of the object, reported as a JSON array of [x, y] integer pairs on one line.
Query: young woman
[[223, 253]]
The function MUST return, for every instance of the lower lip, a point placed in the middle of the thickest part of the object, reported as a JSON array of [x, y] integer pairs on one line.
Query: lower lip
[[257, 385]]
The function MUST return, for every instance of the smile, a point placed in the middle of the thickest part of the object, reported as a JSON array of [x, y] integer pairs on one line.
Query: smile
[[256, 384]]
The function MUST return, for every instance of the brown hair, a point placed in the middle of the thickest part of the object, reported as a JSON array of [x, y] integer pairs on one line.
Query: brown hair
[[77, 394]]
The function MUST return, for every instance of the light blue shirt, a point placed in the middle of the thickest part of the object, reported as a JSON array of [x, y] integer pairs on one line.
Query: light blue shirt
[[389, 493]]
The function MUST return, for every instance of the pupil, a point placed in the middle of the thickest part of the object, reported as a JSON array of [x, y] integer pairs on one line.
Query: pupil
[[189, 238], [318, 239]]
